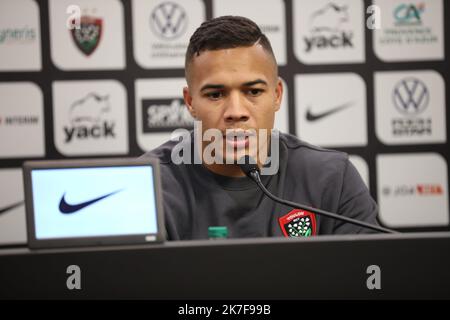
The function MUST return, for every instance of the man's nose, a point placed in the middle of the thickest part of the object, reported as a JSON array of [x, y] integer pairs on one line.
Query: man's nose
[[236, 109]]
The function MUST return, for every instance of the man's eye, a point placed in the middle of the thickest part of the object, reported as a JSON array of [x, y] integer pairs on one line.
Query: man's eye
[[255, 92], [214, 95]]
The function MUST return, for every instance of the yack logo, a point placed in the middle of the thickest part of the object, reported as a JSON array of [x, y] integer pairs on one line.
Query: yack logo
[[298, 223], [88, 36], [90, 117], [328, 28], [329, 31], [86, 118]]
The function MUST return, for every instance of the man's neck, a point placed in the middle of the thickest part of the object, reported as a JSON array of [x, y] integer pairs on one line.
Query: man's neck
[[229, 170]]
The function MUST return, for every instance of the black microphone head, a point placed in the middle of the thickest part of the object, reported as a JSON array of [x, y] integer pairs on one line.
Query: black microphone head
[[248, 165]]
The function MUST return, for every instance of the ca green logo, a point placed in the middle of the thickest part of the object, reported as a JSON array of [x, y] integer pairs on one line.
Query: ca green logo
[[374, 280], [409, 14], [74, 280]]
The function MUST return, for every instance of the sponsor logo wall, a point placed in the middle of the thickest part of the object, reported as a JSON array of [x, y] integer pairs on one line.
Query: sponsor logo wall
[[90, 117], [20, 36], [413, 189], [113, 87], [337, 118], [161, 31], [329, 31], [12, 207], [410, 30], [99, 43], [410, 107], [270, 16], [21, 120]]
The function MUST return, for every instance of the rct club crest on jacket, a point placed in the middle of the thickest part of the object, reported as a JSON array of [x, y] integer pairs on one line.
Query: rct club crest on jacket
[[298, 223]]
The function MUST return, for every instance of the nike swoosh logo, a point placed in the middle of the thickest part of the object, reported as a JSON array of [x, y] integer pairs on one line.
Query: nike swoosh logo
[[10, 207], [314, 117], [67, 208]]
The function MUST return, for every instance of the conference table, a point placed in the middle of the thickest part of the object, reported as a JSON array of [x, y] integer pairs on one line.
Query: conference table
[[375, 266]]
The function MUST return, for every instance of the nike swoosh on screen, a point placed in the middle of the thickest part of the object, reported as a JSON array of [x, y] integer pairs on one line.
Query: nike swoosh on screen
[[314, 117], [10, 207], [67, 208]]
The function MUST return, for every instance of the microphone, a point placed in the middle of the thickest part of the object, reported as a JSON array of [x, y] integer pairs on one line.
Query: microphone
[[252, 171]]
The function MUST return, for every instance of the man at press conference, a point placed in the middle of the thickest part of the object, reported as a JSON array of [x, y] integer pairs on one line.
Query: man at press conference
[[233, 87]]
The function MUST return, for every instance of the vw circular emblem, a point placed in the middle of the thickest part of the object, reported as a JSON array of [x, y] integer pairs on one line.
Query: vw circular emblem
[[168, 20], [410, 96]]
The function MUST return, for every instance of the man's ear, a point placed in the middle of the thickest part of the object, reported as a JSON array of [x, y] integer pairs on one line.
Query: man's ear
[[278, 94], [188, 101]]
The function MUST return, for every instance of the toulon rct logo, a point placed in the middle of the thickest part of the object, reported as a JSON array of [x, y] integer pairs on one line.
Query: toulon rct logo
[[87, 119], [165, 115], [411, 97], [88, 35], [298, 223], [327, 28], [168, 20]]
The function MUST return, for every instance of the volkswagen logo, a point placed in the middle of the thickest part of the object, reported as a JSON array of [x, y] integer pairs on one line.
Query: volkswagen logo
[[410, 96], [168, 20]]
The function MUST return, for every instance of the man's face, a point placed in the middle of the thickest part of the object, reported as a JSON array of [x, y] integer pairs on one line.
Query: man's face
[[234, 90]]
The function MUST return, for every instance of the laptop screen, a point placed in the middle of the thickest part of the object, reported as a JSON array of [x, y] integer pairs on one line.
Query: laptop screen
[[97, 202]]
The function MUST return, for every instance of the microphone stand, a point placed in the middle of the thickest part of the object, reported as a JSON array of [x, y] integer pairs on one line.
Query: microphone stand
[[254, 175]]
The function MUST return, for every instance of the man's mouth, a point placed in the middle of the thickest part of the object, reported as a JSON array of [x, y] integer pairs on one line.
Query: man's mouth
[[238, 139]]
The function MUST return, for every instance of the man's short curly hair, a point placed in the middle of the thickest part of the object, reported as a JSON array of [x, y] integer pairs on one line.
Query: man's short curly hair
[[226, 32]]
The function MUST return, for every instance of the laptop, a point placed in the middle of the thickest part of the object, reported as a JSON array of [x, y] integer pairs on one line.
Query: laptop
[[93, 202]]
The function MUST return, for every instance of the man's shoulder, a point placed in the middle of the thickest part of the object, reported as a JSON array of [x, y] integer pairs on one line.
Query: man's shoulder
[[163, 152], [298, 148]]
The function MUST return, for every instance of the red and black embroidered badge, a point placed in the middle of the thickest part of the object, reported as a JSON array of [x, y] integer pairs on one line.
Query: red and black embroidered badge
[[298, 223]]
